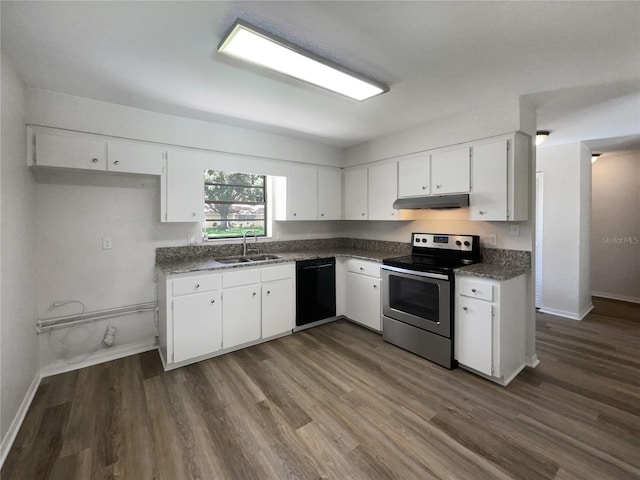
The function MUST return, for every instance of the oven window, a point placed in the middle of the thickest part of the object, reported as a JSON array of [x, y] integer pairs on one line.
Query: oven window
[[415, 297]]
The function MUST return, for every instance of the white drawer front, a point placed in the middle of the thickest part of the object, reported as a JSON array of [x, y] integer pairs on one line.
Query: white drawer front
[[241, 277], [363, 267], [184, 286], [472, 287], [281, 272]]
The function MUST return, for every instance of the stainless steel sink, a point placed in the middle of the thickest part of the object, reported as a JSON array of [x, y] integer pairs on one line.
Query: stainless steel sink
[[258, 258], [253, 258], [233, 260]]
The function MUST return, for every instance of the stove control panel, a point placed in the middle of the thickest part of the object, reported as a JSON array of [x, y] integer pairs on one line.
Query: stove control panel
[[464, 243]]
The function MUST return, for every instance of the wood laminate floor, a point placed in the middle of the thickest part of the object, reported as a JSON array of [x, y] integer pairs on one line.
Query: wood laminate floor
[[338, 402]]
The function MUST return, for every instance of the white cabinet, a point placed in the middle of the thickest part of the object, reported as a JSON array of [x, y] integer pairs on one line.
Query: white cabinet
[[189, 316], [490, 326], [362, 299], [414, 176], [383, 191], [136, 157], [355, 194], [206, 314], [278, 313], [329, 195], [499, 186], [51, 148], [450, 171], [82, 151], [240, 315], [184, 192], [309, 193], [197, 325]]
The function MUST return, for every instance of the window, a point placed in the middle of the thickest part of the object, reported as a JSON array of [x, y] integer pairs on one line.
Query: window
[[234, 203]]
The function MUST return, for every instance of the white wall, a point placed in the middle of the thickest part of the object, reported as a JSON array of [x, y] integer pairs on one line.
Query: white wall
[[615, 228], [19, 352], [566, 288]]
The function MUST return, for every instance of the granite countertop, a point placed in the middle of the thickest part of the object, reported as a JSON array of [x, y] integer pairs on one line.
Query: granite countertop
[[491, 271], [176, 266]]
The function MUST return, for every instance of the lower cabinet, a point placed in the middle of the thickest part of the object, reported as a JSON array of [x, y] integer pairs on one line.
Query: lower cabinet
[[362, 299], [197, 327], [490, 326], [205, 314]]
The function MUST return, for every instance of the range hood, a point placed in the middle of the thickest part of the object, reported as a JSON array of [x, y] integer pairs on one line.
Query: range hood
[[435, 201]]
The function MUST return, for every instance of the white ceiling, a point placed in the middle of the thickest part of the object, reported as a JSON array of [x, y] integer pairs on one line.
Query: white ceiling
[[577, 62]]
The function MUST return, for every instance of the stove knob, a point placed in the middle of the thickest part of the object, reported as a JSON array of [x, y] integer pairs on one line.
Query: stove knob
[[424, 240], [458, 242], [466, 244]]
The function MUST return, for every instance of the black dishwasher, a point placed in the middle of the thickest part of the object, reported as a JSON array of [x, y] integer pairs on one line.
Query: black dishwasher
[[315, 290]]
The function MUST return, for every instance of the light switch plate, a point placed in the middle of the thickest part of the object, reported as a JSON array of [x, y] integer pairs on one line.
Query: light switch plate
[[515, 230], [493, 240], [106, 243]]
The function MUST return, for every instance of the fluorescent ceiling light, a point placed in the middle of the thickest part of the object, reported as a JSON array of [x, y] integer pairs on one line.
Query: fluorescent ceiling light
[[262, 48], [541, 136]]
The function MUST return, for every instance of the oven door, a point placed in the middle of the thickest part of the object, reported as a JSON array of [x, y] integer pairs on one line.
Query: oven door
[[418, 298]]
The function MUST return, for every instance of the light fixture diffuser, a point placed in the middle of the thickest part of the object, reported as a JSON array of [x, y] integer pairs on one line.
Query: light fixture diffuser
[[257, 46], [541, 136]]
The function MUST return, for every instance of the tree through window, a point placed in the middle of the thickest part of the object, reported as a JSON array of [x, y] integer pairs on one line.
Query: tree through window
[[234, 203]]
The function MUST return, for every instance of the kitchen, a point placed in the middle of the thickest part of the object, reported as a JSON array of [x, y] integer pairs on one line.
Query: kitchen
[[74, 210]]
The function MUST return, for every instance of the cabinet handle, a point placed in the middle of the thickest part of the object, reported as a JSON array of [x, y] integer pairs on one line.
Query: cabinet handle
[[294, 214], [197, 285], [362, 269], [213, 301], [117, 162], [375, 286], [438, 186], [268, 292], [474, 290], [481, 212], [424, 187], [322, 214], [94, 160], [193, 214], [363, 214], [254, 294], [465, 308]]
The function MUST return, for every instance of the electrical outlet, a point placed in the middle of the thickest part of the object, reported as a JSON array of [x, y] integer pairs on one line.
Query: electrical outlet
[[106, 243], [515, 230], [191, 240], [493, 239]]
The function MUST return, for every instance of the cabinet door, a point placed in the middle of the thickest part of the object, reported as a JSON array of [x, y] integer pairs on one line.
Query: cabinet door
[[136, 158], [184, 187], [488, 197], [70, 151], [363, 300], [383, 188], [302, 193], [474, 334], [329, 195], [277, 307], [197, 325], [414, 177], [355, 194], [450, 172], [240, 315]]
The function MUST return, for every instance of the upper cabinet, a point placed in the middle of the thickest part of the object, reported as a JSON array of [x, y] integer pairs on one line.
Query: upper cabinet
[[309, 193], [499, 182], [450, 171], [183, 199], [355, 194], [329, 194], [383, 191], [64, 149], [414, 176]]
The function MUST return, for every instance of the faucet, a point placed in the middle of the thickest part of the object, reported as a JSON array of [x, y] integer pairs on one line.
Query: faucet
[[244, 241]]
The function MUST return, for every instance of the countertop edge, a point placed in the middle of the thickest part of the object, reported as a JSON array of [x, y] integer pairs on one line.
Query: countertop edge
[[491, 271]]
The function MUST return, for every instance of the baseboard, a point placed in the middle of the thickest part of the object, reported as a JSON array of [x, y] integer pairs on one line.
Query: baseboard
[[10, 437], [613, 296], [533, 361], [586, 312], [101, 356], [560, 313]]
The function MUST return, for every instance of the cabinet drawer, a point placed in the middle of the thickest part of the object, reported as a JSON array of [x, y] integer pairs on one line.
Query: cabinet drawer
[[239, 278], [184, 286], [471, 287], [363, 267], [280, 272]]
